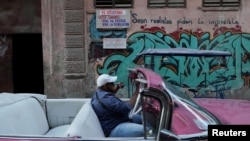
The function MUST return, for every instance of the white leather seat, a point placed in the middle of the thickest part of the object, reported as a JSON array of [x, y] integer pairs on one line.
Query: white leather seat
[[86, 123], [23, 115]]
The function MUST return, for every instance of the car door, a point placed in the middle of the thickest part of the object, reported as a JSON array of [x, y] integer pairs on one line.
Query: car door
[[157, 109]]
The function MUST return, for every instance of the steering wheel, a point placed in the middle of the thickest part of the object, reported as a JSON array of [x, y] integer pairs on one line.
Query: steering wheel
[[137, 107]]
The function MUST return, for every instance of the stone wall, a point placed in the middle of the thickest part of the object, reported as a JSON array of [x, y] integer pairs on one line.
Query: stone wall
[[74, 55], [63, 47]]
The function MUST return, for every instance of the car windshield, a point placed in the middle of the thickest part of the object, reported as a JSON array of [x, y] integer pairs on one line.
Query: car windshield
[[188, 118], [201, 118]]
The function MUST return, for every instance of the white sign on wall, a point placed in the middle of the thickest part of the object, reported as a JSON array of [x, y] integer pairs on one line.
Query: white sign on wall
[[114, 43], [112, 18]]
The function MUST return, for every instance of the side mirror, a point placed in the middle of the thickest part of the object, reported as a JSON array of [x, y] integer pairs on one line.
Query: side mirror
[[166, 135]]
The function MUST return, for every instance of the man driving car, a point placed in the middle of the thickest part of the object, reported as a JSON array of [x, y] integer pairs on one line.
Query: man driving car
[[112, 112]]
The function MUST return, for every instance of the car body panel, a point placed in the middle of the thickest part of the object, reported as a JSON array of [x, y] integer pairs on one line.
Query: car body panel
[[191, 116], [229, 111], [34, 139]]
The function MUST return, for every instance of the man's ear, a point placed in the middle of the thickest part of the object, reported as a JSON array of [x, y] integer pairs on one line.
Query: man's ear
[[104, 87]]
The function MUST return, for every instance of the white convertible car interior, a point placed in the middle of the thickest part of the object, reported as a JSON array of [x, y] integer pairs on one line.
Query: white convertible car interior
[[35, 115]]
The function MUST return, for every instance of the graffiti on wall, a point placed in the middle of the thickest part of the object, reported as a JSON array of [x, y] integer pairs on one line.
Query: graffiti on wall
[[182, 21], [233, 71]]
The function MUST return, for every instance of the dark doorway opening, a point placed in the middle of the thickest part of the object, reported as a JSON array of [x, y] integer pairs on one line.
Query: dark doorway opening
[[27, 63]]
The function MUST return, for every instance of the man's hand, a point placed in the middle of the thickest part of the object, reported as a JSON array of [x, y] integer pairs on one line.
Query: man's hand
[[120, 85]]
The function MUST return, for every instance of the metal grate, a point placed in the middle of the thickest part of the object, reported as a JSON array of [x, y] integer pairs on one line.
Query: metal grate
[[113, 3], [221, 3], [167, 3]]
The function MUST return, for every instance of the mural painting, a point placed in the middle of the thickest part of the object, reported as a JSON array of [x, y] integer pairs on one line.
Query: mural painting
[[208, 75]]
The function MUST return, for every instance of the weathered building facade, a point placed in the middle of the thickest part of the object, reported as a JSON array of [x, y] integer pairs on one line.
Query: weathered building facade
[[74, 37], [21, 46]]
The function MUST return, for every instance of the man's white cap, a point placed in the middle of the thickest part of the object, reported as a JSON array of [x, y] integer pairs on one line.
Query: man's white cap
[[105, 78]]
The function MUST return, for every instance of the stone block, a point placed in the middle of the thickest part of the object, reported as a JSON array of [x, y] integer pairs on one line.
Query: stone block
[[73, 4], [74, 67], [73, 15], [74, 54], [73, 28], [74, 40]]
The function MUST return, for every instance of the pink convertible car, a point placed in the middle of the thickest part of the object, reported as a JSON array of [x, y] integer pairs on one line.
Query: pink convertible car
[[171, 114]]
